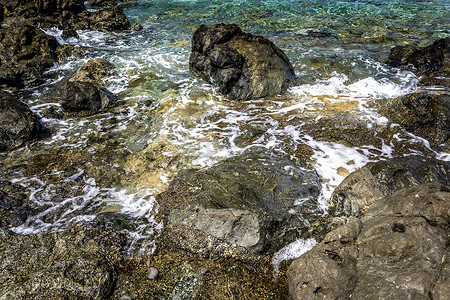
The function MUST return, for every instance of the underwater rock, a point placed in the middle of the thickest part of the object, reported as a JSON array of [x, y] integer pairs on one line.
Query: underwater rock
[[95, 70], [15, 207], [431, 62], [25, 53], [242, 65], [79, 263], [377, 180], [424, 114], [396, 251], [85, 97], [137, 27], [18, 123], [260, 200]]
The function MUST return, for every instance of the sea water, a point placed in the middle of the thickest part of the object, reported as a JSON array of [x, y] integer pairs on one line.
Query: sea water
[[121, 159]]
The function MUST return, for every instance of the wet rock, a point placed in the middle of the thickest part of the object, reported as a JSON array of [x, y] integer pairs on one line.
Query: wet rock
[[15, 207], [85, 97], [79, 263], [259, 200], [102, 3], [137, 27], [424, 114], [377, 180], [432, 61], [95, 70], [396, 251], [242, 65], [18, 124], [25, 53], [105, 19]]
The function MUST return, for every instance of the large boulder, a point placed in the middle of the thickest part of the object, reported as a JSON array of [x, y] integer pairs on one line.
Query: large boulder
[[424, 114], [260, 200], [431, 62], [78, 97], [95, 70], [111, 18], [376, 180], [397, 250], [18, 123], [242, 65]]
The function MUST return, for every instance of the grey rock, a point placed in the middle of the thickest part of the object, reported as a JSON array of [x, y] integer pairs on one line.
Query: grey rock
[[260, 200], [242, 65], [396, 251], [376, 180]]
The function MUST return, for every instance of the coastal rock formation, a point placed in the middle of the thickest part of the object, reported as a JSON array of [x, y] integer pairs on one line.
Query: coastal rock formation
[[95, 70], [431, 62], [259, 200], [18, 123], [396, 251], [377, 180], [102, 3], [15, 207], [424, 114], [79, 263], [242, 65]]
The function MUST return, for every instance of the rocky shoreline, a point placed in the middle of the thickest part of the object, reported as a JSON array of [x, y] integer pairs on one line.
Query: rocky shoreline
[[385, 235]]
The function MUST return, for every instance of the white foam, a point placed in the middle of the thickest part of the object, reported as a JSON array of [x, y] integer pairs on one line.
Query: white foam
[[291, 251]]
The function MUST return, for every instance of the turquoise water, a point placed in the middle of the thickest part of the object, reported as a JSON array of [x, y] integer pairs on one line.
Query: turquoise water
[[119, 160]]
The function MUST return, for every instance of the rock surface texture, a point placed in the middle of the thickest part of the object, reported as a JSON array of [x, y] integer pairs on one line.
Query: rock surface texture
[[397, 250], [242, 65], [431, 62], [259, 200], [18, 123], [376, 180]]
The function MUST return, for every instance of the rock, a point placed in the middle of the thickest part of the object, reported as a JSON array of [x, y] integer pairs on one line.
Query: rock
[[396, 251], [85, 97], [18, 124], [377, 180], [105, 19], [137, 27], [15, 207], [259, 200], [424, 114], [95, 70], [25, 53], [102, 3], [242, 65], [79, 263], [431, 61]]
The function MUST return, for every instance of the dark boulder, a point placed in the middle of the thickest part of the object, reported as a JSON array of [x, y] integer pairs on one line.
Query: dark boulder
[[18, 123], [260, 200], [108, 19], [424, 114], [102, 3], [377, 180], [397, 250], [432, 61], [25, 53], [85, 97], [242, 65]]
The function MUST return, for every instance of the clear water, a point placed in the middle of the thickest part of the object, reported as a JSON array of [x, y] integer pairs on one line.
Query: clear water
[[117, 161]]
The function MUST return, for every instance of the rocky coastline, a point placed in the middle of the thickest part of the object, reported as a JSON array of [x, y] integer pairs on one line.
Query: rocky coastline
[[385, 236]]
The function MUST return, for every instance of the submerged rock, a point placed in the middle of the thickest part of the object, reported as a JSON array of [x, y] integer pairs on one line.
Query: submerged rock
[[431, 62], [85, 97], [242, 65], [15, 207], [424, 114], [377, 180], [260, 200], [18, 123], [396, 251]]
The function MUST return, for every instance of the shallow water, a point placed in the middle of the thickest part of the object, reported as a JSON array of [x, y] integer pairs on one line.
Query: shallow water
[[117, 161]]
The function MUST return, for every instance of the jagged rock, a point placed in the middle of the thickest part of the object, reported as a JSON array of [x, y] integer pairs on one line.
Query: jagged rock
[[377, 180], [242, 65], [424, 114], [105, 19], [259, 200], [432, 62], [79, 263], [95, 70], [396, 251], [102, 3], [18, 123], [85, 97]]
